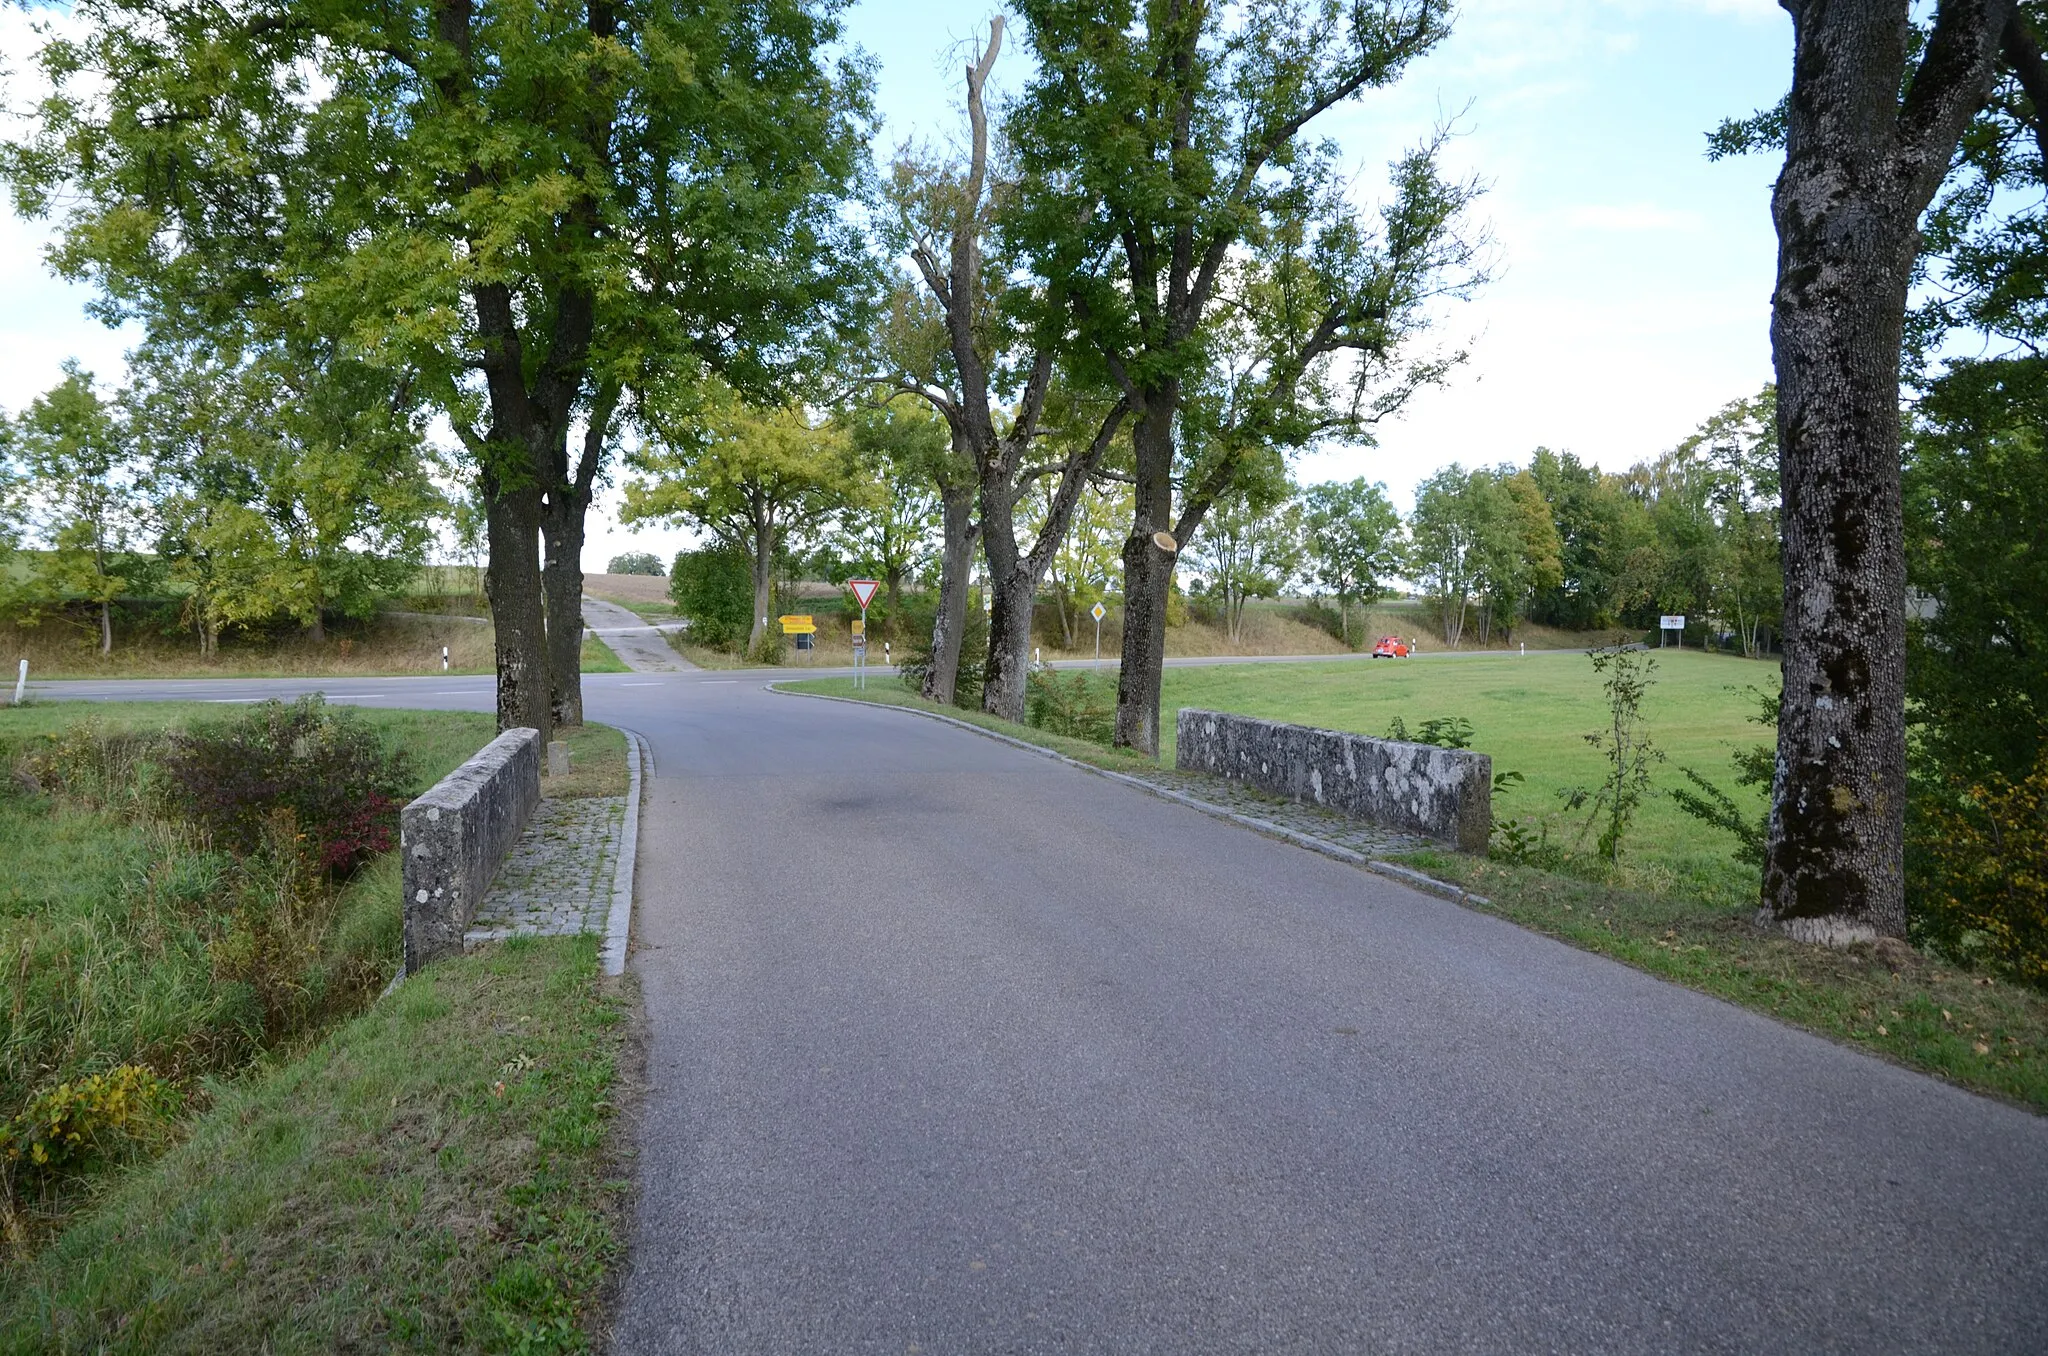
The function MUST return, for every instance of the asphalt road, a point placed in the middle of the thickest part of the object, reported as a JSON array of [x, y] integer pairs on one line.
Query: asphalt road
[[957, 1049]]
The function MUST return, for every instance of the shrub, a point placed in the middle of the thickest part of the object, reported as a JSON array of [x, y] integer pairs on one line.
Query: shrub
[[1754, 767], [63, 1128], [1446, 732], [1979, 866], [1069, 704], [322, 766], [86, 764], [1627, 677], [714, 588]]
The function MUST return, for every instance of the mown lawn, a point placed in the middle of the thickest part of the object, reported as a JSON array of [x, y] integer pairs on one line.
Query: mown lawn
[[435, 1175]]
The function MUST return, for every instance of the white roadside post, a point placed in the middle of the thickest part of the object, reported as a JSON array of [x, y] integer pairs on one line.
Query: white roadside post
[[21, 683], [444, 659], [864, 593], [1096, 612]]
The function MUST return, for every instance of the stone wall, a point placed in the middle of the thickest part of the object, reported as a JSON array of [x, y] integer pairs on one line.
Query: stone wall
[[1445, 794], [454, 837]]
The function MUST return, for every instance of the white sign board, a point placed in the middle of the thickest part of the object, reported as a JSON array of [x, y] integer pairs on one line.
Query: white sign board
[[1671, 623]]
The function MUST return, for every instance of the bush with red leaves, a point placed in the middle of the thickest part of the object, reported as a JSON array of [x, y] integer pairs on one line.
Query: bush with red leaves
[[324, 766]]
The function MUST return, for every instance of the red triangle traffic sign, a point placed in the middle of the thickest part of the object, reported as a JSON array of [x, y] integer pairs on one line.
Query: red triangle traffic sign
[[864, 590]]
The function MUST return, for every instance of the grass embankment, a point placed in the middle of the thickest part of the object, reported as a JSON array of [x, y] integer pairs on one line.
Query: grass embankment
[[1678, 905], [433, 1176], [385, 646]]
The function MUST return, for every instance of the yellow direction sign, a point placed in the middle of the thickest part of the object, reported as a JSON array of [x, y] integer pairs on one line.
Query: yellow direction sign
[[797, 624], [860, 626]]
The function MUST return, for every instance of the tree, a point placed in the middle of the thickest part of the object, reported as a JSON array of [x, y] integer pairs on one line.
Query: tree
[[904, 448], [944, 212], [1862, 161], [1086, 565], [713, 587], [531, 212], [636, 562], [1976, 497], [1456, 511], [1597, 525], [753, 478], [1353, 537], [1518, 552], [87, 508], [1168, 167], [1252, 548]]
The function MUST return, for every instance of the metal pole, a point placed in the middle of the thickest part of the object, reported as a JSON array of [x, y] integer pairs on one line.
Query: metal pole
[[860, 653], [1098, 642], [21, 683]]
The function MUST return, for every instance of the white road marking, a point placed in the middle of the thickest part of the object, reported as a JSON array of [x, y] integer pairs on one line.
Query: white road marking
[[643, 684], [709, 681]]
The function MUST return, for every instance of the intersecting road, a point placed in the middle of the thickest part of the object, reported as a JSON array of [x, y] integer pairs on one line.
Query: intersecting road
[[957, 1049]]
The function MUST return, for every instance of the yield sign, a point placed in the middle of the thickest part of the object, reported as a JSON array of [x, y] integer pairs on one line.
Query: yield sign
[[864, 590]]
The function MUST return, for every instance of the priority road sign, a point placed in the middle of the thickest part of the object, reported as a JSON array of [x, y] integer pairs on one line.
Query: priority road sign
[[1098, 611], [864, 590]]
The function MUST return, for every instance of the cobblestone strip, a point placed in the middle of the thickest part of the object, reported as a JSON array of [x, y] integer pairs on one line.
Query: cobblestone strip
[[1309, 826], [571, 871]]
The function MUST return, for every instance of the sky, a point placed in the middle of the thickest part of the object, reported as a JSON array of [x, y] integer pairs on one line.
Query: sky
[[1633, 277]]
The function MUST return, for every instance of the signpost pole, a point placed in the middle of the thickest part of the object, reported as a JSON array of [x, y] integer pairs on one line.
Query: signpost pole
[[860, 654]]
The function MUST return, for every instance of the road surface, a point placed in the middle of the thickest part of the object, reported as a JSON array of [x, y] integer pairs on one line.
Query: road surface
[[957, 1049]]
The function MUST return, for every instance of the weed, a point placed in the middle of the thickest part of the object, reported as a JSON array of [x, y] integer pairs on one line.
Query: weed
[[1624, 745]]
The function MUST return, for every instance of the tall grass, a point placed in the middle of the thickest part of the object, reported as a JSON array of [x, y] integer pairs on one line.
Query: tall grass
[[128, 940]]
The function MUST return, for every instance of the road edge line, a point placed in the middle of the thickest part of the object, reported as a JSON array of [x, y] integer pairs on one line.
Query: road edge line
[[1379, 866], [618, 926]]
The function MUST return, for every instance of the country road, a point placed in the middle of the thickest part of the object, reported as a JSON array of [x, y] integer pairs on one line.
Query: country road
[[954, 1048]]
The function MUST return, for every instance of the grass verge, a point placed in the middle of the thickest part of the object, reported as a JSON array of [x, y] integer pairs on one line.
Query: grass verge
[[1971, 1029], [435, 1175], [597, 764]]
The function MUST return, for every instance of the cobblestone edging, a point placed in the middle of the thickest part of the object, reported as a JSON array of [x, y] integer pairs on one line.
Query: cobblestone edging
[[571, 871], [1307, 826]]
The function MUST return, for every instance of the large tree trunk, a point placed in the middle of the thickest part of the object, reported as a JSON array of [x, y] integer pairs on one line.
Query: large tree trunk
[[562, 584], [1859, 170], [512, 579], [1148, 576], [956, 562], [764, 581], [1006, 675]]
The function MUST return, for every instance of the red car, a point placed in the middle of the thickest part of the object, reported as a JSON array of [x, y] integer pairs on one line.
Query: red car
[[1390, 647]]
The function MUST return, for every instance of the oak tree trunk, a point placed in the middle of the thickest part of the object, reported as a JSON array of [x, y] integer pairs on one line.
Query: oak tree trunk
[[1860, 167], [1148, 576], [956, 562], [562, 586], [512, 580]]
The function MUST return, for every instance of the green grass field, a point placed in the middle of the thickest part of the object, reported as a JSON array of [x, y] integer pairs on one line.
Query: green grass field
[[1531, 715]]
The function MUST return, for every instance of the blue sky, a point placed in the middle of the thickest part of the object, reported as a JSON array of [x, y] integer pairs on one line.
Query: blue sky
[[1635, 277]]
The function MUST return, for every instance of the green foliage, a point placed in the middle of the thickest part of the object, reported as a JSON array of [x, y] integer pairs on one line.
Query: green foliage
[[1352, 536], [713, 587], [1446, 732], [916, 661], [1980, 871], [1250, 547], [1625, 745], [66, 1127], [1976, 491], [1072, 704], [636, 562]]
